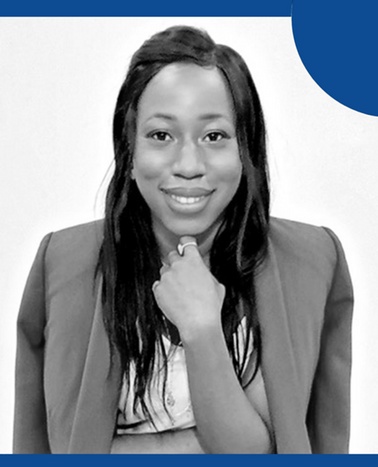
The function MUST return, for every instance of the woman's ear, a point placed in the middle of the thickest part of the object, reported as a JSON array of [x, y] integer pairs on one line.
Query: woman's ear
[[132, 173]]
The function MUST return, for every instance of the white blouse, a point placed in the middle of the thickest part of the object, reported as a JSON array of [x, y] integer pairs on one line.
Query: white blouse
[[177, 395]]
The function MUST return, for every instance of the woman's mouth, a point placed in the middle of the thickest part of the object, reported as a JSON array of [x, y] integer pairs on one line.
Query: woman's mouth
[[187, 200]]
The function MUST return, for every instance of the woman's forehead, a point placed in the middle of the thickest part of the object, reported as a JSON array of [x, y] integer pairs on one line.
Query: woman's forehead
[[180, 88]]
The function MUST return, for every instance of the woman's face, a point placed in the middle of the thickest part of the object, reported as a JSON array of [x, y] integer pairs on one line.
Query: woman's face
[[186, 161]]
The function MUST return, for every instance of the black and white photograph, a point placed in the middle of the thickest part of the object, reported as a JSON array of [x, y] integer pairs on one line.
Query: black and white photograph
[[189, 257]]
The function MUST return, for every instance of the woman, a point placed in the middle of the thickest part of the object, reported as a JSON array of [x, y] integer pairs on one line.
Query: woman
[[188, 321]]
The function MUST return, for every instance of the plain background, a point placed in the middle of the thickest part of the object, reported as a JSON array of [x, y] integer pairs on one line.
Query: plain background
[[59, 78]]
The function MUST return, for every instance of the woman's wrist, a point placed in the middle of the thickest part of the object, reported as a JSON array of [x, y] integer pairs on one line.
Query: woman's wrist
[[204, 334]]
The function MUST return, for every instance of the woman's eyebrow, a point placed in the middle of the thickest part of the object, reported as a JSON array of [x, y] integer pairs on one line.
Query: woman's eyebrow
[[213, 116], [170, 117], [163, 116]]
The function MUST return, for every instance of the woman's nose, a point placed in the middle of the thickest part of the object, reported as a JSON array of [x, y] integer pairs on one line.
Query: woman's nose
[[189, 162]]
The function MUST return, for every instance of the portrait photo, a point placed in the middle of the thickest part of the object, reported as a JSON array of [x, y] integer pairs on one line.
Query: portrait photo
[[189, 258]]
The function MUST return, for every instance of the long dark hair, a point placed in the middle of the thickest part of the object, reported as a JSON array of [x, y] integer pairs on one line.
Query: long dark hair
[[129, 259]]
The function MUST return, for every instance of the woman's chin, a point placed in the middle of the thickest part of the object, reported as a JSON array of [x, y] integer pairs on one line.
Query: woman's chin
[[202, 233], [192, 229], [169, 233]]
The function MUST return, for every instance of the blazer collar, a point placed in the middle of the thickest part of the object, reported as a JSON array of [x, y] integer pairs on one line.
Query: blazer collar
[[278, 363]]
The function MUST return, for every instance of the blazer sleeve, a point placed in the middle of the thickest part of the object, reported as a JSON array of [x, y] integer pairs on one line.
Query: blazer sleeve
[[30, 426], [328, 417]]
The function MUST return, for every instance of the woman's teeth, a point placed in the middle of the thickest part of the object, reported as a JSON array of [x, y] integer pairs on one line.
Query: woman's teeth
[[187, 200]]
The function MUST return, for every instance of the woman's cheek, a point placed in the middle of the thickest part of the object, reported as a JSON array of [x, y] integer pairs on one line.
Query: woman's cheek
[[149, 165], [229, 170]]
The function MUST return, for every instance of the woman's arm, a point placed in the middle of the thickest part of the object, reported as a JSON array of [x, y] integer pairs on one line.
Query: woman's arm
[[187, 441], [328, 418], [227, 421], [168, 442], [30, 427]]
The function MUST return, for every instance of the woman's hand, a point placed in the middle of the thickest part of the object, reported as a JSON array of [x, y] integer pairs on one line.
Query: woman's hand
[[188, 294]]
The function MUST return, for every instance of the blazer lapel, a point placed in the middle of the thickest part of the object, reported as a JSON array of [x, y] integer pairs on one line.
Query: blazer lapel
[[278, 363], [96, 409]]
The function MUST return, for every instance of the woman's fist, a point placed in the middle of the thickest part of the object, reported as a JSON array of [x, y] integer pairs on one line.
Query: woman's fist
[[187, 293]]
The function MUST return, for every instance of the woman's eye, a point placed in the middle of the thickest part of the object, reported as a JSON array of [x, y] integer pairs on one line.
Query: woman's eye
[[214, 136], [160, 136]]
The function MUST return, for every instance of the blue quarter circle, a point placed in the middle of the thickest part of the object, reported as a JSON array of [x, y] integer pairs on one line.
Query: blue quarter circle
[[337, 41]]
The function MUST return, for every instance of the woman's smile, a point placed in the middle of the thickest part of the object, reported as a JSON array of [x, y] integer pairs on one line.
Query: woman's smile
[[187, 200]]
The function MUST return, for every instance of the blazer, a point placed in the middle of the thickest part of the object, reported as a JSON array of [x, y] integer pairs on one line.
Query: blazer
[[67, 392]]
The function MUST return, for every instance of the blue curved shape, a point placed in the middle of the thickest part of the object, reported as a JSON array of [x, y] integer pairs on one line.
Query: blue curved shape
[[337, 41]]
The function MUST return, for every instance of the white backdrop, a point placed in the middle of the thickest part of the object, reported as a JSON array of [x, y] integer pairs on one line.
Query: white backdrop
[[59, 78]]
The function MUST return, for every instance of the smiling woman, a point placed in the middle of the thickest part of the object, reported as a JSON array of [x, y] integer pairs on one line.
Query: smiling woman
[[188, 320]]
